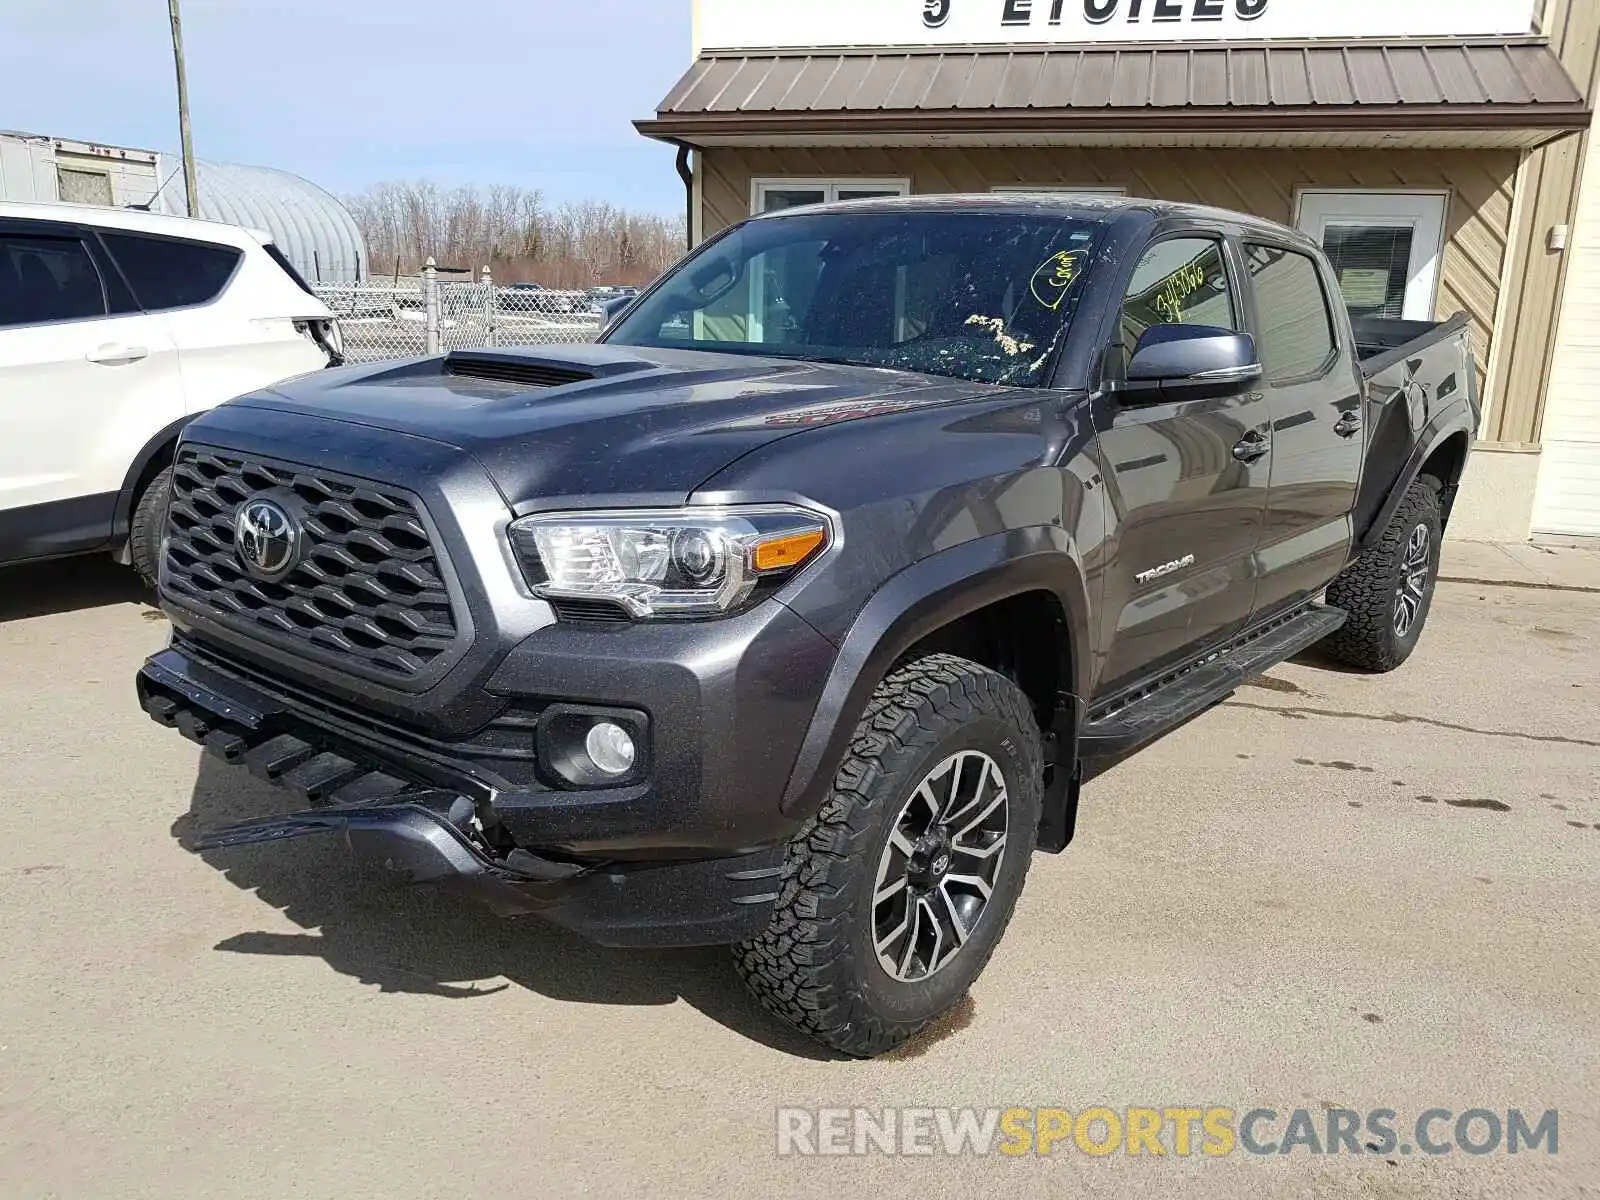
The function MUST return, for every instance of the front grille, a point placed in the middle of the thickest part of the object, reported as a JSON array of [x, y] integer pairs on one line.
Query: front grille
[[368, 594]]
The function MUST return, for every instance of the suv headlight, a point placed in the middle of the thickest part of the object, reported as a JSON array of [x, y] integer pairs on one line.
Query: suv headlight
[[682, 562]]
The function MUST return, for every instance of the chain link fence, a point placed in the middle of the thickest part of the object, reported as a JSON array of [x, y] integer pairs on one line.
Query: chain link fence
[[426, 314]]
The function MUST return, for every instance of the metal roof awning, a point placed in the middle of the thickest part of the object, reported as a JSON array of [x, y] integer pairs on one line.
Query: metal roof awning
[[1504, 92]]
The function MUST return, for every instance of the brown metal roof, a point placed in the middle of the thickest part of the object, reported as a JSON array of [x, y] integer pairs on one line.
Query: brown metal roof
[[1388, 86]]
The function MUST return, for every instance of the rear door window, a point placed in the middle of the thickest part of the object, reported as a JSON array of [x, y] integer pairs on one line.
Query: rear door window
[[172, 273], [45, 279], [1295, 334]]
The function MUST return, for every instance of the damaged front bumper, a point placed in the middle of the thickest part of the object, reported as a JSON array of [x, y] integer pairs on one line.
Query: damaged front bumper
[[413, 840], [412, 812]]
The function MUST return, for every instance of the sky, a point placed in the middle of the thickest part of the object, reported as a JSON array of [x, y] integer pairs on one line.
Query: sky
[[348, 93]]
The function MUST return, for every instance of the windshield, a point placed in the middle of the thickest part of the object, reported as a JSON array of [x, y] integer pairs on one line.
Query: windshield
[[979, 296]]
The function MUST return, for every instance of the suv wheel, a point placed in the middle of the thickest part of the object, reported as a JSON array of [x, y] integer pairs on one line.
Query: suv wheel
[[147, 525], [1389, 592], [895, 895]]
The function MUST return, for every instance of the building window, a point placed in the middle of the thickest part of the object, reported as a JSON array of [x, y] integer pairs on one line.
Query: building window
[[1385, 248], [774, 195], [1095, 189]]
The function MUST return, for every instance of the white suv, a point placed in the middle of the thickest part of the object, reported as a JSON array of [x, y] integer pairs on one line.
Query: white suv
[[118, 327]]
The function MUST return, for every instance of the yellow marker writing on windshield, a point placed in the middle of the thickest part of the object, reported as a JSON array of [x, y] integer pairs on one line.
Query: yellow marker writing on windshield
[[1051, 281]]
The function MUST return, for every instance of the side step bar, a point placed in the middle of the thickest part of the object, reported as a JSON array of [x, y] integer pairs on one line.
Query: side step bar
[[1147, 716]]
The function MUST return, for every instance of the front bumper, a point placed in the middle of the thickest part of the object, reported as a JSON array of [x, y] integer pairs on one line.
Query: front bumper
[[414, 808]]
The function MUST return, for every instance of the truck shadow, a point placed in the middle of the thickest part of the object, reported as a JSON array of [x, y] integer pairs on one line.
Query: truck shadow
[[69, 585], [425, 942]]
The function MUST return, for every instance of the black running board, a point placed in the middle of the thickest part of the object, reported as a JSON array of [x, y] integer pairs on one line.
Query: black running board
[[1191, 691]]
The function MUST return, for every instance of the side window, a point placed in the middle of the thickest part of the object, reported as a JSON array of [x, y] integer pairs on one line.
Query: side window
[[45, 279], [1296, 329], [165, 273], [1179, 282]]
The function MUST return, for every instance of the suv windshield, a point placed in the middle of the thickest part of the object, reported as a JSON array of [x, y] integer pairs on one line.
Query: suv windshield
[[979, 296]]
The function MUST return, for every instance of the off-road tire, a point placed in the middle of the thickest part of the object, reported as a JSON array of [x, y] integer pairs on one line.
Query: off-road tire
[[816, 965], [146, 528], [1369, 589]]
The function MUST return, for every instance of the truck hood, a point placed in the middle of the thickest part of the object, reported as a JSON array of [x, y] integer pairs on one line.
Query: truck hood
[[590, 421]]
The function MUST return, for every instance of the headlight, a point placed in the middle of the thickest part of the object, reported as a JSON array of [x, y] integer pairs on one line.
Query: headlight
[[667, 563]]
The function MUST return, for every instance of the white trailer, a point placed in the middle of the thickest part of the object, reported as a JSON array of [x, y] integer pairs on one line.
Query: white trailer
[[47, 169]]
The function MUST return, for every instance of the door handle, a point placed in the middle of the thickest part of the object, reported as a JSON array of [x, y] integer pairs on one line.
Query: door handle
[[1251, 447], [1348, 425], [114, 354]]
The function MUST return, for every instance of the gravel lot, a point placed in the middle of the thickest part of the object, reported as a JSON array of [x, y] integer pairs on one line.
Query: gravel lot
[[1334, 891]]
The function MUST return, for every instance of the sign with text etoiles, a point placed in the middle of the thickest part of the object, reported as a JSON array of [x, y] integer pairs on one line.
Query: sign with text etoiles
[[801, 24]]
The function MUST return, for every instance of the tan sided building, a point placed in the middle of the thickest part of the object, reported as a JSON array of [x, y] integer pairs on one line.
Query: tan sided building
[[1436, 149]]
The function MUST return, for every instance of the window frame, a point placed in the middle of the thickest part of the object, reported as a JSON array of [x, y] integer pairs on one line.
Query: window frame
[[101, 233], [1241, 317], [1331, 362], [62, 233], [828, 185]]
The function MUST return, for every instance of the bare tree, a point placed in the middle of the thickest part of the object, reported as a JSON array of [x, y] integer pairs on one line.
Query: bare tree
[[511, 230]]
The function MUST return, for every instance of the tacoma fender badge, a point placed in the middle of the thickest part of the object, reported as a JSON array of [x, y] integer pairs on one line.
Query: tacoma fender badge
[[1150, 576]]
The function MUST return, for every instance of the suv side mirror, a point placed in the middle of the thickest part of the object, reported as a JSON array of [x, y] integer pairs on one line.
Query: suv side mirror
[[1190, 362], [611, 309]]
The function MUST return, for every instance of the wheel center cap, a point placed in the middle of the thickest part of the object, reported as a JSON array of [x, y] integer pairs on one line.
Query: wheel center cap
[[931, 860]]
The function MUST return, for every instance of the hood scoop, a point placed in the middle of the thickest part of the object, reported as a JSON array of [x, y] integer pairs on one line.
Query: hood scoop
[[517, 369]]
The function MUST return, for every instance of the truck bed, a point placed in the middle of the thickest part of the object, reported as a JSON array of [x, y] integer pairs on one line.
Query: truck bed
[[1381, 343], [1415, 371]]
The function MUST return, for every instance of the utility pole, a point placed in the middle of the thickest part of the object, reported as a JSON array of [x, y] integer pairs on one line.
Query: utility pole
[[191, 189]]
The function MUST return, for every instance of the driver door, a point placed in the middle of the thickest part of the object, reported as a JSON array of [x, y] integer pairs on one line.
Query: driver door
[[1186, 482]]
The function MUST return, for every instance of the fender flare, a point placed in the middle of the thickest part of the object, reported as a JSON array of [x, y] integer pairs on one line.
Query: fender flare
[[128, 496], [1453, 422], [920, 600]]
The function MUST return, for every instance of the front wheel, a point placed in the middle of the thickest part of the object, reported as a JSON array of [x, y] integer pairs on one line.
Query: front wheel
[[148, 525], [1389, 591], [895, 895]]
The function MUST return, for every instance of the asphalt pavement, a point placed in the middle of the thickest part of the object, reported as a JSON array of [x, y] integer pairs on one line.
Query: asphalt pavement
[[1333, 893]]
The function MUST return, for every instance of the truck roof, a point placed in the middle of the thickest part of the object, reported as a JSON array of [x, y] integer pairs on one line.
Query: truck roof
[[1086, 205]]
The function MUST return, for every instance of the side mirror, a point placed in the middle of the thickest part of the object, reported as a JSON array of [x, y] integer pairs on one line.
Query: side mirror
[[611, 309], [1190, 362]]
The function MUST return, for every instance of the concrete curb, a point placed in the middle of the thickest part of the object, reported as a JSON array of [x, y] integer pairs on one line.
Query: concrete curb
[[1521, 565]]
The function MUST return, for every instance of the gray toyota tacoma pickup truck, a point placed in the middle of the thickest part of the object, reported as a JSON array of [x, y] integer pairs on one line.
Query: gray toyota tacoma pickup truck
[[789, 615]]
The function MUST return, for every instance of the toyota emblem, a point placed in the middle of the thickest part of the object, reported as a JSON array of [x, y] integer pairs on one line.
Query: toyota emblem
[[266, 538]]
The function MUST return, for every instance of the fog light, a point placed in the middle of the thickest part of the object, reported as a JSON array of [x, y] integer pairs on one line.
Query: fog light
[[611, 748]]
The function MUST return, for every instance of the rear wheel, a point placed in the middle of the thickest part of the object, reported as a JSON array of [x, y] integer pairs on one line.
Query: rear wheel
[[148, 526], [895, 895], [1389, 592]]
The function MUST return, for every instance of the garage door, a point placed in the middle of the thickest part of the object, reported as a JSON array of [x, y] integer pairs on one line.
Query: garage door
[[1568, 499]]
